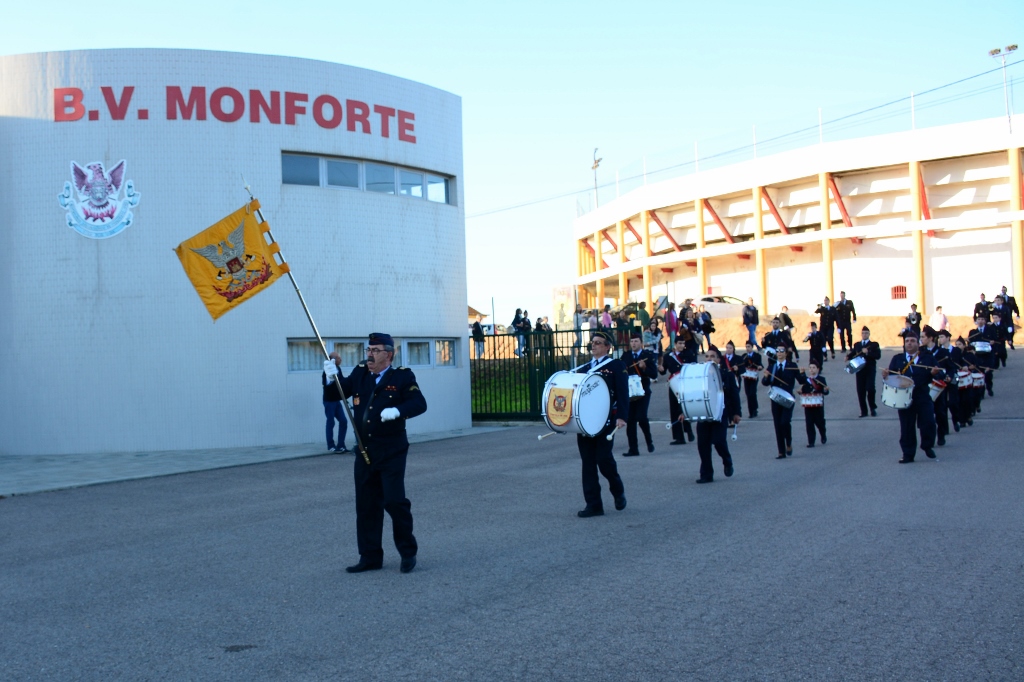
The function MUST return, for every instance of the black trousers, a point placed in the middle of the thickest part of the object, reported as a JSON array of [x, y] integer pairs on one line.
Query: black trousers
[[750, 388], [380, 487], [708, 434], [814, 418], [674, 410], [817, 357], [845, 336], [596, 455], [865, 390], [783, 419], [638, 415], [942, 415], [919, 416], [829, 333]]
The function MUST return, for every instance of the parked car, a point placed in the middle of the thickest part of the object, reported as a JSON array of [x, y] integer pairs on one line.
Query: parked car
[[721, 306], [488, 329]]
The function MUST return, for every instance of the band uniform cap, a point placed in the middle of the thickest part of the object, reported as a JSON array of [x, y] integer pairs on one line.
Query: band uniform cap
[[929, 331], [911, 335], [944, 332], [865, 328], [636, 335], [960, 339], [606, 336], [382, 339]]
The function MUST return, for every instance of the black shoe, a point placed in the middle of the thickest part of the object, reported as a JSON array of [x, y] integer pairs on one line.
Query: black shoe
[[705, 480], [810, 445], [978, 410], [630, 454], [690, 437], [862, 416], [990, 393], [942, 440], [824, 440], [753, 415], [588, 512], [906, 461], [678, 442], [781, 455], [873, 412], [650, 447], [408, 563], [930, 453], [956, 428], [728, 468], [970, 422], [363, 566], [789, 451], [620, 502]]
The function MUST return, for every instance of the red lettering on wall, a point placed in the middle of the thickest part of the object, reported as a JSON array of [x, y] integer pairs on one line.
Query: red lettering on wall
[[406, 125], [176, 102], [67, 104], [237, 105], [117, 109], [386, 113], [318, 106], [271, 109], [358, 112], [291, 106]]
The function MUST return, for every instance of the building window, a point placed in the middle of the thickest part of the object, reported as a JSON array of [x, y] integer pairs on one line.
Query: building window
[[342, 174], [300, 170], [899, 292], [444, 352], [419, 353], [351, 352], [411, 183], [380, 178], [304, 355], [437, 189]]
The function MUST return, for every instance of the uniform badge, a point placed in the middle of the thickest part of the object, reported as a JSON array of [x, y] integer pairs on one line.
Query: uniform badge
[[93, 200], [355, 400]]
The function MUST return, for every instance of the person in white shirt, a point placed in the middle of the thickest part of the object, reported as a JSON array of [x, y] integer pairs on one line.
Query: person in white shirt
[[938, 320]]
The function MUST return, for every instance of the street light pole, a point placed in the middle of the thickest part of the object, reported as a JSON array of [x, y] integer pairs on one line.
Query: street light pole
[[1006, 97], [597, 162]]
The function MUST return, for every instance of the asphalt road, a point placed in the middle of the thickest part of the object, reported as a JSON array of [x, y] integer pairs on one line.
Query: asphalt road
[[837, 564]]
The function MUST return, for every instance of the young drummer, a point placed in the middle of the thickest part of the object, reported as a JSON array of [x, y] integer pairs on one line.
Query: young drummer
[[813, 384], [782, 373], [967, 396], [930, 343], [672, 364], [751, 364]]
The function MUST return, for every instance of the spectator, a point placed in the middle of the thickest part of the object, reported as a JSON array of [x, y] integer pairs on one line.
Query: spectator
[[786, 320], [671, 324], [706, 325], [516, 328], [478, 337], [334, 410], [938, 320], [652, 342], [750, 320], [606, 317], [622, 326], [578, 318], [592, 323], [643, 315]]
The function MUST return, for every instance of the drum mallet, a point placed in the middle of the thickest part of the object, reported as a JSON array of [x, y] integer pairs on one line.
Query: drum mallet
[[734, 427], [545, 435]]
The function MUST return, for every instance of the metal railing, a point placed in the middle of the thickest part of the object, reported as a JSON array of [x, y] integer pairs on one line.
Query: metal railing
[[507, 379]]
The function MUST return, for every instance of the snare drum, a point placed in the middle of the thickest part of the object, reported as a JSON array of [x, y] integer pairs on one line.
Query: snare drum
[[576, 403], [698, 388], [936, 389], [782, 397], [982, 346], [978, 379], [751, 374], [812, 399], [636, 387], [771, 353], [963, 380], [855, 365], [897, 391]]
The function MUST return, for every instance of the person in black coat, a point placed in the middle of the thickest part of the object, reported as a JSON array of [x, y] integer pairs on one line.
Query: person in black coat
[[813, 384], [920, 367], [987, 333], [981, 309], [714, 432], [751, 363], [914, 320], [782, 373], [779, 337], [872, 353], [999, 336], [963, 358], [383, 398], [845, 311], [596, 451], [1014, 312], [642, 363], [816, 340], [672, 364], [930, 343], [827, 324]]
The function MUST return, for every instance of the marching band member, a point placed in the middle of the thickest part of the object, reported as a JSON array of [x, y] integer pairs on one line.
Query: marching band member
[[949, 363], [981, 308], [779, 337], [930, 343], [999, 337], [642, 363], [814, 384], [920, 367], [872, 353], [672, 364], [844, 311], [783, 374], [1014, 311], [596, 452], [984, 332], [816, 340], [827, 316], [914, 319], [714, 432], [751, 362], [964, 358]]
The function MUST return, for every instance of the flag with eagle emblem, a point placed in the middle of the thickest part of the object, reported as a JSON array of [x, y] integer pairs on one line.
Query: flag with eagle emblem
[[230, 262]]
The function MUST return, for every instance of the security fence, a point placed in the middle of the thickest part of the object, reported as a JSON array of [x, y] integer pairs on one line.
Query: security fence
[[507, 379]]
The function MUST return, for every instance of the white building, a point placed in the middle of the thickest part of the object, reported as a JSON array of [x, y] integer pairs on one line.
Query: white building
[[106, 346], [931, 216]]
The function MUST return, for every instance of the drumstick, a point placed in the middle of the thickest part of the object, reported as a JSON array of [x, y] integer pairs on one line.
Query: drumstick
[[542, 437], [734, 427]]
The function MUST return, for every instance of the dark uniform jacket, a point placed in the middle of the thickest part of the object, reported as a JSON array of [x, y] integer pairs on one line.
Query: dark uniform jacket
[[989, 333], [810, 386], [922, 377], [672, 364], [778, 337], [615, 377], [981, 308], [751, 360], [873, 354], [816, 340], [732, 395], [396, 388], [844, 311], [650, 370], [787, 321], [785, 377], [827, 317]]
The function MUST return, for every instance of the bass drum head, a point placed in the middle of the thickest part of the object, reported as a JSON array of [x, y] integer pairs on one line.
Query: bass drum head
[[591, 404], [700, 392]]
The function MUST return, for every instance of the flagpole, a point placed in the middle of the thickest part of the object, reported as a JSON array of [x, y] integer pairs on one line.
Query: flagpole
[[323, 346]]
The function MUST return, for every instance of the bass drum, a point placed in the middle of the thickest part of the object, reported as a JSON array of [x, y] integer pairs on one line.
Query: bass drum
[[576, 403], [698, 388]]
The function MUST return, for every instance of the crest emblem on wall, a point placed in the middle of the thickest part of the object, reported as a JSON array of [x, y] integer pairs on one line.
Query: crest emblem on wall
[[98, 202]]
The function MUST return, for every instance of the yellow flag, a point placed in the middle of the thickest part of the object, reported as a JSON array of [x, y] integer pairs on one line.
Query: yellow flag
[[230, 261]]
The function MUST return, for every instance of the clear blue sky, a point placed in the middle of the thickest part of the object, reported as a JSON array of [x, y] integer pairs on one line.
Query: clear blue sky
[[543, 83]]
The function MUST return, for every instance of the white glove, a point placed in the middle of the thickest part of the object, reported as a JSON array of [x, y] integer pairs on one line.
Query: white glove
[[330, 369], [389, 414]]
